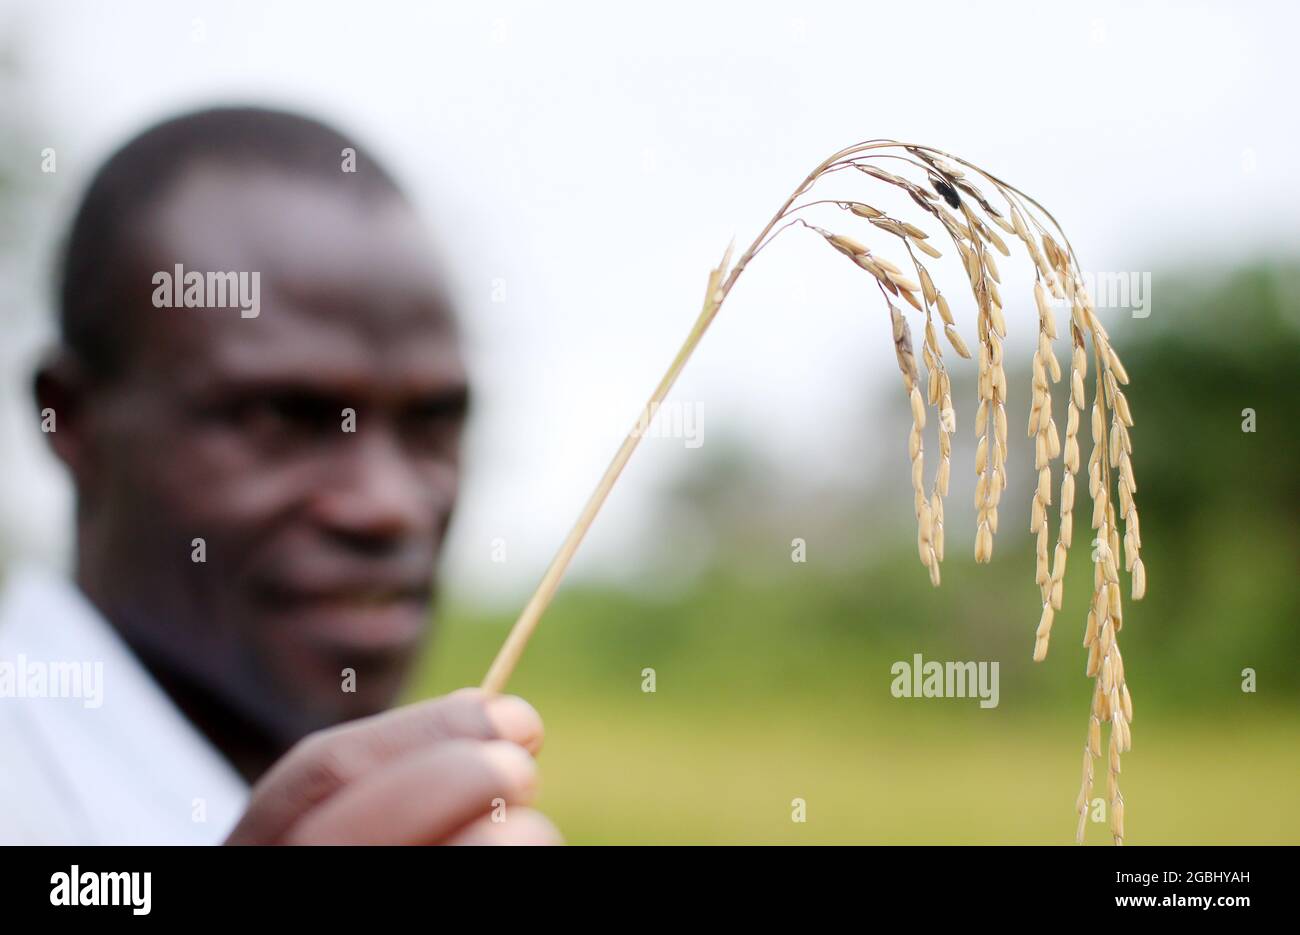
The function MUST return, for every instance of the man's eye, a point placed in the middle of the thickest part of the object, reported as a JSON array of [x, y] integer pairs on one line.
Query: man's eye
[[437, 421], [290, 414]]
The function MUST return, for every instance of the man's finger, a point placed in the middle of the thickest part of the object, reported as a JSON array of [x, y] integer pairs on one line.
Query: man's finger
[[423, 797], [326, 761], [520, 826]]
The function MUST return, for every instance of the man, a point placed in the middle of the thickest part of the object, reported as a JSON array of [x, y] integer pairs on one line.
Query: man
[[259, 396]]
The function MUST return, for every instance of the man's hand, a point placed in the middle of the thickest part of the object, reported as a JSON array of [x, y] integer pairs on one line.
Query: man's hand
[[437, 772]]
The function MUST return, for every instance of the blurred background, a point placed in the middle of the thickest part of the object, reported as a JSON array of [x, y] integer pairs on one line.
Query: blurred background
[[583, 167]]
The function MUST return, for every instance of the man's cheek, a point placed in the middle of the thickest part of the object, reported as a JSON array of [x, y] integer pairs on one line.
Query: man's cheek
[[228, 516], [217, 474]]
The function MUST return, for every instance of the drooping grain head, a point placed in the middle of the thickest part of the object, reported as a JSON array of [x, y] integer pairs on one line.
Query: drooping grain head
[[950, 195]]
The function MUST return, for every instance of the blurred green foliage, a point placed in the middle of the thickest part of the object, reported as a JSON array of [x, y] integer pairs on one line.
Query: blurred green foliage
[[772, 677]]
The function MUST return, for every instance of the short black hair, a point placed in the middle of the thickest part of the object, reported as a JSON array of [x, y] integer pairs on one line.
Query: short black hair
[[141, 173]]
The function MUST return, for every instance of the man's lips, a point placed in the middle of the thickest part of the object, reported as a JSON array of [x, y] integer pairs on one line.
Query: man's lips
[[358, 616]]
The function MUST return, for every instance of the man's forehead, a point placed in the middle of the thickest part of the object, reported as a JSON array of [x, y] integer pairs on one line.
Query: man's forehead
[[343, 281], [295, 341], [300, 231], [291, 343]]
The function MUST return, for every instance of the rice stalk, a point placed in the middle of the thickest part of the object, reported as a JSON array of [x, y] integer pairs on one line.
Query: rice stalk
[[948, 190]]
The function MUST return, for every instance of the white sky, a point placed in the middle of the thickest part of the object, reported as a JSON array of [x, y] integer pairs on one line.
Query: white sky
[[597, 158]]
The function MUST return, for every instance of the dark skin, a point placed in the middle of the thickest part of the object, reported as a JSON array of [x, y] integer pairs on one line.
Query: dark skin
[[320, 543]]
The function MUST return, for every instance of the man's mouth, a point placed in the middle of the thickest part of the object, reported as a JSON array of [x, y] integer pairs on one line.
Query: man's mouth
[[367, 597], [361, 617]]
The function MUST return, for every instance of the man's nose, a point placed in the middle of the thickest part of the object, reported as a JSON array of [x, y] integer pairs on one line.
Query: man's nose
[[374, 492]]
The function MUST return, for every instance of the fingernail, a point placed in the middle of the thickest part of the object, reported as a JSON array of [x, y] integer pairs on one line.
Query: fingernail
[[514, 719], [514, 764]]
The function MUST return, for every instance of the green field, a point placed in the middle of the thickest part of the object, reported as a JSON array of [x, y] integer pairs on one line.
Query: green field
[[713, 762]]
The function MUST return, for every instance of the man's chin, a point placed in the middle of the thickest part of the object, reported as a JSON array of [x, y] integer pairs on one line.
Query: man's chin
[[364, 705], [342, 683]]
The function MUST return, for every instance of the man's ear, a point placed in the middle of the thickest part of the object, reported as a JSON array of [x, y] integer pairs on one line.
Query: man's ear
[[61, 388]]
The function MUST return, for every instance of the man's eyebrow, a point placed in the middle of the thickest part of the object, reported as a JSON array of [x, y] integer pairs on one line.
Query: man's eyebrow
[[448, 389]]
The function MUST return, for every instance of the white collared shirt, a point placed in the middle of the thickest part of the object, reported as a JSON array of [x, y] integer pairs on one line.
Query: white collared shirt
[[92, 750]]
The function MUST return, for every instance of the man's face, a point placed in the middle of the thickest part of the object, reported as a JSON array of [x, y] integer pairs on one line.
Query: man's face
[[319, 542]]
